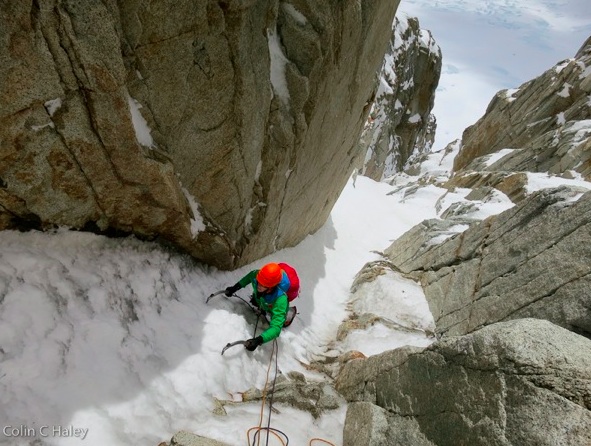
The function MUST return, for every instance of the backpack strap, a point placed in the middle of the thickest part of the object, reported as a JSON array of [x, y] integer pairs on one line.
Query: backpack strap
[[294, 281]]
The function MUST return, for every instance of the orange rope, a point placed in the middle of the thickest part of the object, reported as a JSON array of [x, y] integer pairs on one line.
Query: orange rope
[[260, 427], [263, 400], [320, 439]]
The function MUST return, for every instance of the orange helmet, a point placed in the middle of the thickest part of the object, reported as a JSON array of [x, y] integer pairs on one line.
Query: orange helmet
[[269, 275]]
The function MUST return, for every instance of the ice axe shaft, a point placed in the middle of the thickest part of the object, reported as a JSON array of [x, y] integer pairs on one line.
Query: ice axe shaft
[[217, 293], [232, 344]]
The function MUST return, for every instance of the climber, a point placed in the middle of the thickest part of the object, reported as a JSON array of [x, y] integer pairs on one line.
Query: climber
[[271, 286]]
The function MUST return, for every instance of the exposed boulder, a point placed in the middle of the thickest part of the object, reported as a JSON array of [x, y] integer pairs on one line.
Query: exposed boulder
[[400, 123], [533, 260], [184, 438], [512, 184], [520, 382], [314, 397], [227, 128], [368, 424], [357, 380]]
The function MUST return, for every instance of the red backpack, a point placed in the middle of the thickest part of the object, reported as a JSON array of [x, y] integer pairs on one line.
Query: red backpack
[[294, 281]]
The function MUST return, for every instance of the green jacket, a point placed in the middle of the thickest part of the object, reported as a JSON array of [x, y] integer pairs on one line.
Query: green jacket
[[274, 303]]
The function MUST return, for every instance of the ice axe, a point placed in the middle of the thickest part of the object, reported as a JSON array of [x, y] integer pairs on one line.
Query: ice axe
[[232, 344], [217, 293]]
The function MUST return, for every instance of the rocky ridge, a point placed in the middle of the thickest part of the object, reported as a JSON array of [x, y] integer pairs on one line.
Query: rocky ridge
[[542, 126]]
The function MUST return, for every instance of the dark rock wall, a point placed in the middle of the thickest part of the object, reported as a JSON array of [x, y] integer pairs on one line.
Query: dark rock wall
[[253, 110]]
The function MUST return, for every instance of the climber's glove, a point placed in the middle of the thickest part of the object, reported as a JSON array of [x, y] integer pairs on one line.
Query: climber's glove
[[252, 344], [232, 289]]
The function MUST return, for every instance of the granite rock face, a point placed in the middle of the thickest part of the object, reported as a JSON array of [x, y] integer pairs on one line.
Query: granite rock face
[[543, 126], [533, 260], [400, 123], [528, 261], [526, 381], [227, 128], [509, 293]]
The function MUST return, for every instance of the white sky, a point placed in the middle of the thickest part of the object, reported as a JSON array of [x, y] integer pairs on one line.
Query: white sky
[[490, 45]]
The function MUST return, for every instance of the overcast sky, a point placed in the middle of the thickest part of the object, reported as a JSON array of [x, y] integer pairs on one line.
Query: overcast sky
[[489, 45]]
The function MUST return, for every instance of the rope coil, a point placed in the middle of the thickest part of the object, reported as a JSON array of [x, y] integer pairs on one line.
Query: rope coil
[[281, 436]]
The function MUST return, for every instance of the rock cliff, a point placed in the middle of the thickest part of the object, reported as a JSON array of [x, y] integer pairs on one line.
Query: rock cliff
[[400, 122], [542, 126], [509, 293], [532, 260], [227, 128]]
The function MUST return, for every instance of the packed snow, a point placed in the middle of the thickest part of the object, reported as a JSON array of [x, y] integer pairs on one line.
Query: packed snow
[[143, 133], [277, 70]]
